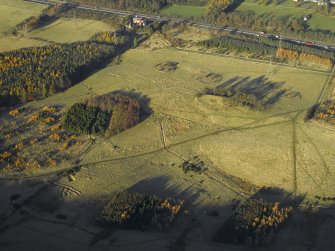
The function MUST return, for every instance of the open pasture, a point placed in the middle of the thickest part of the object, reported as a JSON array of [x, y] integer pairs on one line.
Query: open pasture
[[66, 30], [12, 12]]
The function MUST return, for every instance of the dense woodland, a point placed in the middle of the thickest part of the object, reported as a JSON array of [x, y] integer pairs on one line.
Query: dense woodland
[[109, 113], [38, 72], [138, 211], [254, 223]]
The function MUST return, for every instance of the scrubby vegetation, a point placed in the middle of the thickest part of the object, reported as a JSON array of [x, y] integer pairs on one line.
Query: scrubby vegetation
[[111, 113], [325, 112], [31, 73], [28, 132], [254, 223], [140, 212], [167, 66], [195, 165]]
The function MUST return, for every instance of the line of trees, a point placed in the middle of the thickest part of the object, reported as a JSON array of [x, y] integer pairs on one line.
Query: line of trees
[[48, 15], [266, 47], [37, 72], [143, 5]]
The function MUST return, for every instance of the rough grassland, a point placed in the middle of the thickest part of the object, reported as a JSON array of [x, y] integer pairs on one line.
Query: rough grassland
[[184, 11], [272, 147], [13, 12], [256, 146], [69, 30]]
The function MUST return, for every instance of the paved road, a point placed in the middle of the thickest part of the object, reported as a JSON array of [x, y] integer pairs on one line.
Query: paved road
[[309, 43]]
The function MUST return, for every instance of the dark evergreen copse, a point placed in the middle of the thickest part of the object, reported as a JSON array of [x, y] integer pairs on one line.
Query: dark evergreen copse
[[84, 119], [254, 223], [138, 211], [110, 113]]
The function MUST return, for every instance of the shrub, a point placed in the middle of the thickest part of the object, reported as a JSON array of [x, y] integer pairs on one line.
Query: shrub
[[18, 163], [9, 135], [49, 109], [48, 120], [5, 155], [56, 127], [33, 141], [19, 146], [138, 211], [55, 136], [197, 167], [14, 112], [32, 166], [252, 223], [52, 162], [33, 118], [63, 147]]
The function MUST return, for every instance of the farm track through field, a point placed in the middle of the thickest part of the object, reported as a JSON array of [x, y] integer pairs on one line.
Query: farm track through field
[[107, 160]]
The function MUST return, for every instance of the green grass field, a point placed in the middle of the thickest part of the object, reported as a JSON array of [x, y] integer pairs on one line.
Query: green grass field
[[289, 9], [319, 21], [13, 43], [13, 12], [69, 30], [184, 11]]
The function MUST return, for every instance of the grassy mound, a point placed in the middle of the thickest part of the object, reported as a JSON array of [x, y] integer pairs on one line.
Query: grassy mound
[[138, 211], [254, 223]]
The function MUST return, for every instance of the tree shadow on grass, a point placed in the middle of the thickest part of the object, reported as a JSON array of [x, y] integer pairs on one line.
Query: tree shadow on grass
[[42, 201], [257, 92]]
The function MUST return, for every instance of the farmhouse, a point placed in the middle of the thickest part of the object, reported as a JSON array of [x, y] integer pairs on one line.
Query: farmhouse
[[139, 21]]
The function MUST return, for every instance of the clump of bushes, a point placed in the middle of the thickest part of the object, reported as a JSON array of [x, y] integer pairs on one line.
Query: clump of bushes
[[167, 66], [111, 113], [324, 112], [197, 166], [254, 223], [137, 211]]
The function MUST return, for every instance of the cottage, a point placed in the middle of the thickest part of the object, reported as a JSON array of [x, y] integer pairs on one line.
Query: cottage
[[139, 21]]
